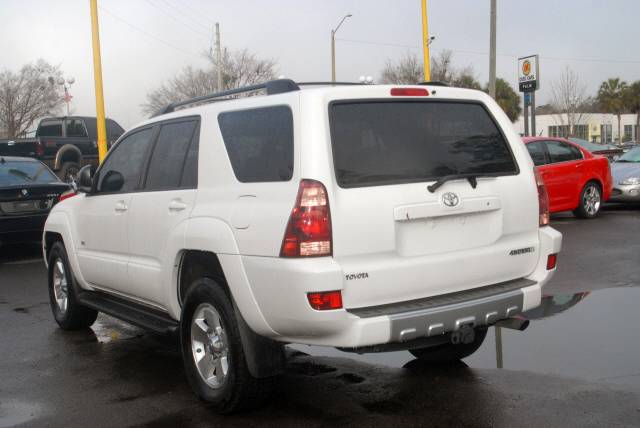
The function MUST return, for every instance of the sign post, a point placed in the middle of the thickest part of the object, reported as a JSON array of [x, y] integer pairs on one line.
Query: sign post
[[529, 83]]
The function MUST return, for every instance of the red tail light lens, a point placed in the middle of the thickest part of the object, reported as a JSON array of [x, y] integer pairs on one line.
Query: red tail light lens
[[39, 148], [409, 92], [552, 261], [308, 232], [66, 195], [326, 300], [543, 200]]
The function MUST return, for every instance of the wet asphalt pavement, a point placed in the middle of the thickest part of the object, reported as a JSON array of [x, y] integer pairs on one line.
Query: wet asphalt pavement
[[578, 364]]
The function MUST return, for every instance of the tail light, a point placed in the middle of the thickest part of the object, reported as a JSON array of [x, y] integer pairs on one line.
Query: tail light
[[552, 261], [543, 200], [39, 148], [409, 92], [308, 232], [66, 195], [326, 300]]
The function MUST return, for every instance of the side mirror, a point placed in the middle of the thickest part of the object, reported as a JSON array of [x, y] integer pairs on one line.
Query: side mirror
[[85, 178], [112, 182]]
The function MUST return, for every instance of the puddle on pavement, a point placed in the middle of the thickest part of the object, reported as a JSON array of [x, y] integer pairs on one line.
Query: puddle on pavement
[[588, 335]]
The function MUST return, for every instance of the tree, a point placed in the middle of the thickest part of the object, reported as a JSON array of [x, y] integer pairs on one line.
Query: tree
[[409, 70], [28, 95], [611, 99], [569, 101], [632, 103], [507, 99], [239, 69]]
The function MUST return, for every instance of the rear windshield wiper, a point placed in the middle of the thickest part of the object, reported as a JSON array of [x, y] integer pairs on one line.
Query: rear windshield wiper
[[472, 178]]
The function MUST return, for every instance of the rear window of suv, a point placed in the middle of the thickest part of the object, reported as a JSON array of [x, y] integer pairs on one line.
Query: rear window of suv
[[260, 143], [379, 142]]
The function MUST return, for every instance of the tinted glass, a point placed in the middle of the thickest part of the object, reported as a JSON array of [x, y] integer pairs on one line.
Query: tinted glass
[[49, 129], [190, 170], [114, 131], [169, 153], [536, 150], [127, 159], [377, 143], [21, 173], [259, 143], [562, 152], [75, 128]]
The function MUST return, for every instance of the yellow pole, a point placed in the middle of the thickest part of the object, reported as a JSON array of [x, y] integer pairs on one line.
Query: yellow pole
[[425, 42], [97, 75]]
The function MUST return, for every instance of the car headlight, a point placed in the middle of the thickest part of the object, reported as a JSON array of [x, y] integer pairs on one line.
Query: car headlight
[[631, 180]]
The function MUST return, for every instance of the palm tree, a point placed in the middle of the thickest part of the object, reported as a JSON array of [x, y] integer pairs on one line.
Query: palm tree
[[611, 99], [632, 103]]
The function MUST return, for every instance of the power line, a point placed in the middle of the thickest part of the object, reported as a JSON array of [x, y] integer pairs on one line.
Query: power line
[[197, 14], [170, 15], [553, 58], [188, 17], [149, 35]]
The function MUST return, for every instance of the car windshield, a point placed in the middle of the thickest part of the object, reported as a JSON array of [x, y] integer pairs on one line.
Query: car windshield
[[24, 172], [631, 156]]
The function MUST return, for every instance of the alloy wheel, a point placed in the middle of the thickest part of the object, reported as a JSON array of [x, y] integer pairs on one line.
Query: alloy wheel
[[591, 200], [209, 346], [60, 285]]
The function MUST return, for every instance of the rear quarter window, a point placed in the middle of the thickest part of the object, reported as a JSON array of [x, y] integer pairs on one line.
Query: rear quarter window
[[392, 142], [259, 143]]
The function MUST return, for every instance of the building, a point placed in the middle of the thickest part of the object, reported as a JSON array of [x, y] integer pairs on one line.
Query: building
[[595, 127]]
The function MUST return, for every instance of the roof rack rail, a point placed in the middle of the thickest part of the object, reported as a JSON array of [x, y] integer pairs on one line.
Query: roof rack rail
[[434, 83], [272, 87], [330, 83]]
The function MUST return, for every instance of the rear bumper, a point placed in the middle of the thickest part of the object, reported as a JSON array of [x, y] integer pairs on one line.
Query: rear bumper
[[280, 286], [625, 193], [22, 228]]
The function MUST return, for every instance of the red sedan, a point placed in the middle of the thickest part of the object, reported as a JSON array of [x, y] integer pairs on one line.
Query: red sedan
[[576, 180]]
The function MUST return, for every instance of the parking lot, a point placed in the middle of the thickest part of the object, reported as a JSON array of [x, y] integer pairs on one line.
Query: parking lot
[[576, 365]]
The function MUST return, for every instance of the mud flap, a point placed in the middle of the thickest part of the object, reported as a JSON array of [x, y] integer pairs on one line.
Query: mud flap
[[264, 357]]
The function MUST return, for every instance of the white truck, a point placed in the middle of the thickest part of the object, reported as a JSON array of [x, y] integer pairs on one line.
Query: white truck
[[362, 217]]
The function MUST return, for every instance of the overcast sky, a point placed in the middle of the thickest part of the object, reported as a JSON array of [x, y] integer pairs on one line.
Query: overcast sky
[[145, 42]]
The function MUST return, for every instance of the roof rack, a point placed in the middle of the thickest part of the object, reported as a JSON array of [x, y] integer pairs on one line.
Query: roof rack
[[272, 87], [434, 83]]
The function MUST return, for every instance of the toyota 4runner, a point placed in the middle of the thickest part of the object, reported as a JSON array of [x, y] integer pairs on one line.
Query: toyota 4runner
[[363, 217]]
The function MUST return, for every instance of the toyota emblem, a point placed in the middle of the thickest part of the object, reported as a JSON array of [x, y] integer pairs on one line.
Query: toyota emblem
[[450, 199], [24, 192]]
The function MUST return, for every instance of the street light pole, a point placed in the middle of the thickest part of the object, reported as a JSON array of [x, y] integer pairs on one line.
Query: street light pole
[[426, 41], [492, 51], [333, 47]]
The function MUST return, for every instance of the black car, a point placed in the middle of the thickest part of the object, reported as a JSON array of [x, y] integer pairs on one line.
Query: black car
[[28, 190]]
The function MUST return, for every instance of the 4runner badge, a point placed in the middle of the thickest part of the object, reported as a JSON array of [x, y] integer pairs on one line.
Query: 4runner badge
[[450, 199], [522, 251]]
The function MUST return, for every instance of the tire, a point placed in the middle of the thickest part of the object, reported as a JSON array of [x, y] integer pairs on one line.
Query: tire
[[69, 172], [208, 327], [68, 313], [449, 353], [590, 201]]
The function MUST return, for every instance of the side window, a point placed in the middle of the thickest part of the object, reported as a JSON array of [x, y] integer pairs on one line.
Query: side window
[[536, 150], [75, 128], [190, 171], [121, 170], [168, 158], [259, 143], [114, 131], [50, 128], [562, 152]]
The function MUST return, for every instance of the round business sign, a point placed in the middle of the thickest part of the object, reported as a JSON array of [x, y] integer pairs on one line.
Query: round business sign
[[526, 67]]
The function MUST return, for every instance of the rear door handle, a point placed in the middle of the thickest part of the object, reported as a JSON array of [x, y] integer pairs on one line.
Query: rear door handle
[[177, 205], [121, 206]]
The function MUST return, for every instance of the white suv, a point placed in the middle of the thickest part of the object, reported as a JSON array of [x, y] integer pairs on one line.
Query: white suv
[[363, 217]]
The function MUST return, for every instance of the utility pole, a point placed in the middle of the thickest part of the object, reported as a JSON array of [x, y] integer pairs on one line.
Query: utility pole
[[97, 75], [425, 42], [333, 48], [218, 57], [492, 51]]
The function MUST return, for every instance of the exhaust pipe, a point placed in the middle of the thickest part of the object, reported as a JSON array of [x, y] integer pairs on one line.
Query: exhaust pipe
[[519, 324]]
